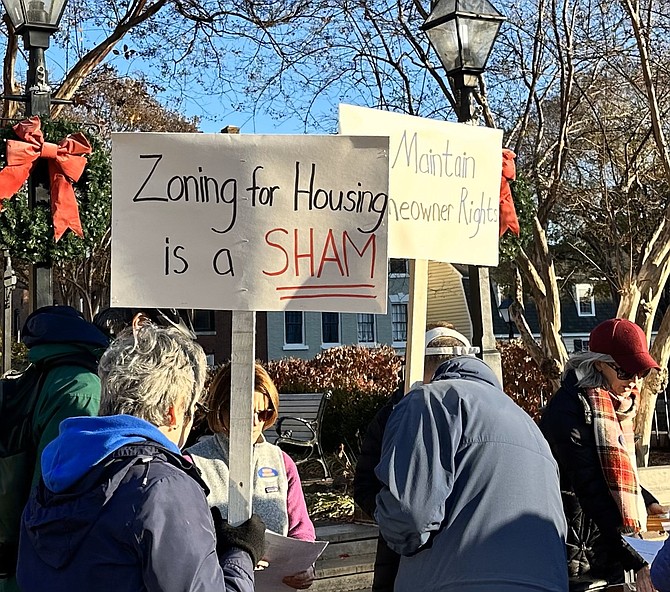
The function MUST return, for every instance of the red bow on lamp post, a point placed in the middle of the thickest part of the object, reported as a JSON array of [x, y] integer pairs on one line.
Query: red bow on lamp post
[[508, 217], [66, 164]]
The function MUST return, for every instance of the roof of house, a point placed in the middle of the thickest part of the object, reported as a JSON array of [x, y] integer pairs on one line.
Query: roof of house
[[571, 322]]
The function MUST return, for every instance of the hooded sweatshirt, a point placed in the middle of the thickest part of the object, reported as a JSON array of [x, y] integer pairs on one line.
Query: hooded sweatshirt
[[68, 390], [470, 493], [119, 509]]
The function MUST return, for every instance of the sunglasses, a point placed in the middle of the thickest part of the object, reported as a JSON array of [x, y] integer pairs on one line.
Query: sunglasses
[[621, 374], [263, 416]]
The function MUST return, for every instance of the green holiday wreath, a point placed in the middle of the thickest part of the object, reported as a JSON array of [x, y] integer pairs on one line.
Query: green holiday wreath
[[28, 233]]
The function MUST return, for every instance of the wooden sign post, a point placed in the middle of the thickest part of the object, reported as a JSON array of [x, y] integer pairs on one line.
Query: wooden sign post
[[242, 371], [416, 322]]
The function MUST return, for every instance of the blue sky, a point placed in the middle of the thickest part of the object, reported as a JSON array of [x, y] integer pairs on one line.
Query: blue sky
[[214, 112], [247, 122]]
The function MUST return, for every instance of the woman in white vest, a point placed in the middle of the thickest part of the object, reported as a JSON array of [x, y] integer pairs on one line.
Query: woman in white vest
[[277, 492]]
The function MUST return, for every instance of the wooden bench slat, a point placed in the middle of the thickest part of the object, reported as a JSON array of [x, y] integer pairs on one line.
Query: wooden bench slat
[[313, 408]]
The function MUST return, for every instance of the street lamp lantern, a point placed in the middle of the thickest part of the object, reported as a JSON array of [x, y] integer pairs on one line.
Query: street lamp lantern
[[462, 32], [503, 310], [35, 13], [36, 20]]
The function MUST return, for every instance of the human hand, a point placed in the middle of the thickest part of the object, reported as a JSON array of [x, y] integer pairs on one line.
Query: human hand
[[656, 509], [643, 580], [300, 580]]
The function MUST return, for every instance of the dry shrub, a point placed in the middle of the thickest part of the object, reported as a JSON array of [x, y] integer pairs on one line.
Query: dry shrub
[[360, 379], [522, 379]]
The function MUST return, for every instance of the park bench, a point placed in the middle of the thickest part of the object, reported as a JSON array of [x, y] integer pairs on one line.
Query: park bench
[[298, 428]]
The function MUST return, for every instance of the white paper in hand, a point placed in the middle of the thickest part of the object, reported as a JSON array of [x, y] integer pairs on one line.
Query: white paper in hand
[[646, 549], [286, 557]]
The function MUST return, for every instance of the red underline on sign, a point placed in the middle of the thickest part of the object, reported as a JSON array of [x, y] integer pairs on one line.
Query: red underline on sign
[[325, 286], [327, 296]]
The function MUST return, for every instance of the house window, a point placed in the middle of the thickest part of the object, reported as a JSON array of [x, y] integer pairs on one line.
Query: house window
[[399, 322], [294, 327], [203, 321], [580, 345], [586, 305], [330, 327], [398, 267], [366, 328]]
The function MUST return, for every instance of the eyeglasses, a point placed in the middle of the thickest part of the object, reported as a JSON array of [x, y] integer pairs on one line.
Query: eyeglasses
[[201, 408], [264, 415], [621, 374]]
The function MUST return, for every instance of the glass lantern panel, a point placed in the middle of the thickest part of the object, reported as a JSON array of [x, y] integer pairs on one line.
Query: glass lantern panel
[[476, 38], [479, 7], [44, 12], [15, 12], [442, 8], [445, 41]]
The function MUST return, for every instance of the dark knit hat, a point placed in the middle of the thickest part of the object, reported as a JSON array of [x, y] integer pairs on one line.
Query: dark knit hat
[[625, 342]]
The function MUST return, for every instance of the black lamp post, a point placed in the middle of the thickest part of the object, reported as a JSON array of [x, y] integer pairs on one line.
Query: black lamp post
[[503, 309], [36, 21], [462, 32]]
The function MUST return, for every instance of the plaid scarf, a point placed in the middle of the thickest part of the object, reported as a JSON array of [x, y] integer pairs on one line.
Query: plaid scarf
[[615, 442]]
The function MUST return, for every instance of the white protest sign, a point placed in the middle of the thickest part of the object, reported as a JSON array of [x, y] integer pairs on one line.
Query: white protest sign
[[444, 186], [244, 222]]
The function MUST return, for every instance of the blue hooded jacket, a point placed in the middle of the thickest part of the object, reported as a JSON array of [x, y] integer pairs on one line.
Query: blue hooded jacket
[[119, 509]]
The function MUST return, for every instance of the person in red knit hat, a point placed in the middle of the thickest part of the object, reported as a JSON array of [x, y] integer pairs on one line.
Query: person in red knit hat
[[589, 426]]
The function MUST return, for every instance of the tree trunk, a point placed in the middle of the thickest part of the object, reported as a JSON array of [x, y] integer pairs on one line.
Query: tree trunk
[[653, 384], [540, 275], [639, 303]]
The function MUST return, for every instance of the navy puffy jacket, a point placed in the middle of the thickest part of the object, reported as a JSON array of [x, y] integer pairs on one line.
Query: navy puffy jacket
[[136, 521]]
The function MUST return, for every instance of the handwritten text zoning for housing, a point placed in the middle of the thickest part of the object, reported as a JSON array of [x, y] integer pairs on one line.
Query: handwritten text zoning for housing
[[306, 193], [463, 206], [299, 247]]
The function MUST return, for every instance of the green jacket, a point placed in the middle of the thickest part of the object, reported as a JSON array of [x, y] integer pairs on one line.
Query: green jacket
[[68, 391]]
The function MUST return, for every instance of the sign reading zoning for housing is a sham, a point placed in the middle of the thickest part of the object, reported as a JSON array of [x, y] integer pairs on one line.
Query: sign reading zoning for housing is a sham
[[245, 222], [444, 185]]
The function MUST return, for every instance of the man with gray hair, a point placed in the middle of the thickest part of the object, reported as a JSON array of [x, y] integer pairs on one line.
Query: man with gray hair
[[118, 507]]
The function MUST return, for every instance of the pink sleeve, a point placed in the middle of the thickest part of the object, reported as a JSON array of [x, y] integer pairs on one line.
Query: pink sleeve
[[299, 524]]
